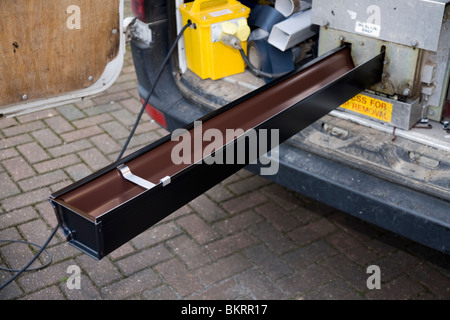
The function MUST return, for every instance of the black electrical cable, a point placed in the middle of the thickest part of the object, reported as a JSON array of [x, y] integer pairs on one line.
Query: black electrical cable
[[256, 71], [49, 260], [24, 268], [166, 60]]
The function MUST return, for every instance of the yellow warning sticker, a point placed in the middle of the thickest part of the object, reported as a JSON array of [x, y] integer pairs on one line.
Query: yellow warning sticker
[[371, 107]]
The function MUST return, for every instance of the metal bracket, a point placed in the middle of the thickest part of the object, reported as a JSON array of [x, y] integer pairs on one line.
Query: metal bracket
[[128, 175]]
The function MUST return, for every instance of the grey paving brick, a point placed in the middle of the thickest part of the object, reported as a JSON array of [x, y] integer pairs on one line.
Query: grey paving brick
[[312, 231], [125, 117], [38, 115], [101, 272], [69, 148], [8, 122], [275, 240], [352, 248], [92, 121], [25, 199], [10, 142], [24, 128], [115, 129], [259, 286], [97, 109], [87, 292], [160, 293], [105, 144], [113, 97], [94, 159], [247, 185], [227, 290], [86, 103], [63, 251], [123, 85], [140, 140], [179, 278], [354, 274], [335, 290], [192, 254], [81, 134], [9, 188], [244, 202], [49, 293], [208, 209], [401, 288], [197, 228], [122, 252], [8, 234], [358, 229], [305, 280], [43, 180], [219, 193], [309, 254], [17, 217], [237, 222], [231, 244], [37, 231], [59, 125], [156, 234], [70, 112], [280, 219], [271, 264], [18, 168], [8, 153], [281, 196], [222, 269], [60, 185], [135, 284], [305, 215], [147, 124], [431, 279], [78, 171], [12, 291], [47, 213], [52, 275], [143, 259], [16, 255], [57, 163], [46, 138], [394, 265]]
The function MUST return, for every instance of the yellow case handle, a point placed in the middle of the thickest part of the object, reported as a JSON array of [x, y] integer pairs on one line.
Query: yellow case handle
[[196, 7]]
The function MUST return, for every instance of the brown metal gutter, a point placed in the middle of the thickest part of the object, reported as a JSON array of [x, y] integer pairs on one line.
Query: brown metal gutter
[[104, 210]]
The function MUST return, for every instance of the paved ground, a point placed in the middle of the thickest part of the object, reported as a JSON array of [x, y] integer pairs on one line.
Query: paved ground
[[246, 238]]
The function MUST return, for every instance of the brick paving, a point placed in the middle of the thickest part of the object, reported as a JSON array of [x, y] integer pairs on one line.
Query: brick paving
[[246, 238]]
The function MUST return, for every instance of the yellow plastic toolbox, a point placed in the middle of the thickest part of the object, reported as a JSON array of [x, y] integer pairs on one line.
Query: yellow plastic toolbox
[[206, 55]]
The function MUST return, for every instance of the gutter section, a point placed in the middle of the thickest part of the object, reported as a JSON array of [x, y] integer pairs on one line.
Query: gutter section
[[103, 211]]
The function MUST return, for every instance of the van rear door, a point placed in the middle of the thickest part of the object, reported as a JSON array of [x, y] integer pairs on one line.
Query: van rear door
[[57, 52]]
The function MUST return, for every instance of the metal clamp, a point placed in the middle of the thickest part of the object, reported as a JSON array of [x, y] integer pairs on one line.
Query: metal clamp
[[128, 175]]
